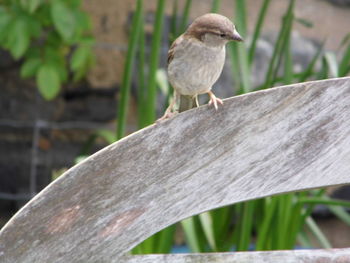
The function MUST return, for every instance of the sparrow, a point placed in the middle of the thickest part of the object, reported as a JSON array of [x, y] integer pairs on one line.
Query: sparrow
[[196, 58]]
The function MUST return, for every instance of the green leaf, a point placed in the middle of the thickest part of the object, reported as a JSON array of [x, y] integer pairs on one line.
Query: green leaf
[[74, 3], [63, 19], [81, 61], [32, 5], [53, 39], [18, 38], [87, 40], [48, 81], [30, 67], [80, 57], [43, 15], [5, 20], [34, 52], [55, 56], [62, 72], [34, 26], [82, 20]]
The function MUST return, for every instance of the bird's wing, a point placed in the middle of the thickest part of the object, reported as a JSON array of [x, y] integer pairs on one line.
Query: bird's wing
[[173, 47]]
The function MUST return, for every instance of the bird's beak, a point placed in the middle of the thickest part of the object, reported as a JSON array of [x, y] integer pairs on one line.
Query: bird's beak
[[236, 36]]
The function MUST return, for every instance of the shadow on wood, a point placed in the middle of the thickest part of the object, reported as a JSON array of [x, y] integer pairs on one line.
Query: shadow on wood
[[260, 144]]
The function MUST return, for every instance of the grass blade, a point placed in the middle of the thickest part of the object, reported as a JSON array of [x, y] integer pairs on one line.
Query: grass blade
[[185, 16], [208, 228], [126, 82], [141, 90], [215, 6], [192, 237], [335, 206], [344, 65], [150, 113], [241, 51], [265, 226], [277, 52], [332, 64], [257, 31], [340, 213], [165, 240], [288, 62], [241, 17], [316, 231], [285, 204], [222, 219], [309, 70], [322, 201], [246, 226], [235, 66], [304, 240], [173, 22], [323, 73]]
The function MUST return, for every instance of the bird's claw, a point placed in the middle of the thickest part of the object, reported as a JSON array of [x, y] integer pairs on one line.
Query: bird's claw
[[214, 100], [167, 115]]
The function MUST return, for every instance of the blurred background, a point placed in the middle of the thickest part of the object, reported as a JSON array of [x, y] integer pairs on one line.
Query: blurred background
[[78, 75]]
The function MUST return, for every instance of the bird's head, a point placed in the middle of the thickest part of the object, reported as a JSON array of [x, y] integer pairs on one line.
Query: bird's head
[[213, 30]]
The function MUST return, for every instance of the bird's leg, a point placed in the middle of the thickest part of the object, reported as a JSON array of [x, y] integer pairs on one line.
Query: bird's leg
[[169, 112], [214, 100], [196, 100]]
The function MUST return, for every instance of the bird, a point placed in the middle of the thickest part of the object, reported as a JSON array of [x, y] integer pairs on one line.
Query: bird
[[196, 59]]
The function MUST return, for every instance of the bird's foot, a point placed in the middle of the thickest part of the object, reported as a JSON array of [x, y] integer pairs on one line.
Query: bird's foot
[[214, 100], [167, 115]]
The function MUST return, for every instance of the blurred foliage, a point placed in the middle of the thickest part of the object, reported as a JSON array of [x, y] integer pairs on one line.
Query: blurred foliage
[[52, 38]]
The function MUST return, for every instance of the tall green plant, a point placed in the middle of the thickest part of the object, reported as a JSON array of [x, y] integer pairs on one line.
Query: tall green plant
[[52, 38], [129, 62], [151, 93]]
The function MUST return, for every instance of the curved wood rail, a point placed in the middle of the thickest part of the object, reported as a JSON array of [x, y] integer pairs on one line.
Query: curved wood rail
[[287, 256], [264, 143]]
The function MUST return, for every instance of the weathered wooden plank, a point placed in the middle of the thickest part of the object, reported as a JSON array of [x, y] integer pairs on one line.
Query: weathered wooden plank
[[293, 256], [260, 144]]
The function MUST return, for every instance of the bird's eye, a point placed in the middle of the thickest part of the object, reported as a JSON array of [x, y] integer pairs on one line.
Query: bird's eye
[[223, 35]]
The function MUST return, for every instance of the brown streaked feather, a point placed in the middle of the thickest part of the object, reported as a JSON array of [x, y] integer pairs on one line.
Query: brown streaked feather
[[173, 47]]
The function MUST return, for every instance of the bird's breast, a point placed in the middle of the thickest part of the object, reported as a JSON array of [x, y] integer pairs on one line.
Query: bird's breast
[[195, 67]]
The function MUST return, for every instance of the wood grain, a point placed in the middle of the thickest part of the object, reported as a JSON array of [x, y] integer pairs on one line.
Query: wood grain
[[259, 144], [295, 256]]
